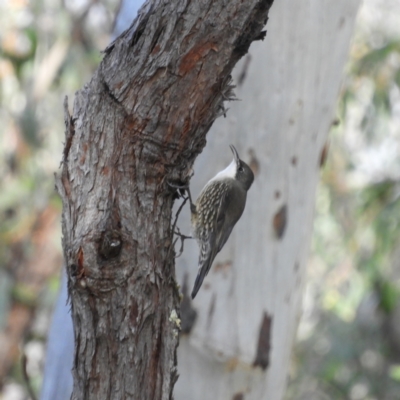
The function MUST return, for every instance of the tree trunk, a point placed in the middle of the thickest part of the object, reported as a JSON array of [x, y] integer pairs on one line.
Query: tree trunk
[[135, 127], [247, 310]]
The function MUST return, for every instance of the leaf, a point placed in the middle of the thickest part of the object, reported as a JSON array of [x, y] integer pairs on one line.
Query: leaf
[[388, 294], [373, 60]]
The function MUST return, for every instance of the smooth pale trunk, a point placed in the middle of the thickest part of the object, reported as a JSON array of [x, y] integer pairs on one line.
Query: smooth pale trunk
[[250, 302]]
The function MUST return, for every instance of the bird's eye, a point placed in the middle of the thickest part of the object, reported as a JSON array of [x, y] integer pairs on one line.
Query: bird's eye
[[240, 169]]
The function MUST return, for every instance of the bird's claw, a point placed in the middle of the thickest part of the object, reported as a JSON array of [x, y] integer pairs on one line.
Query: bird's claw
[[179, 189]]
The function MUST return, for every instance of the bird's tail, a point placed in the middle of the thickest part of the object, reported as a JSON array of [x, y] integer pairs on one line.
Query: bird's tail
[[205, 261]]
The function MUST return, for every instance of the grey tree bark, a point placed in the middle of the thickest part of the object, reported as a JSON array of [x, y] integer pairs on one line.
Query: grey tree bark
[[136, 126]]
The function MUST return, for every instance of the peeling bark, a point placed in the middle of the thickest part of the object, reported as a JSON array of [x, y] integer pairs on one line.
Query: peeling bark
[[264, 345], [136, 126]]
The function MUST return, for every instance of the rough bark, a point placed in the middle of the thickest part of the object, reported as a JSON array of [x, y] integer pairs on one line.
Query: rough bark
[[137, 125]]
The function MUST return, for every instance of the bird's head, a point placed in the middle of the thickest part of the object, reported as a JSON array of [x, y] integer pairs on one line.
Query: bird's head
[[243, 172]]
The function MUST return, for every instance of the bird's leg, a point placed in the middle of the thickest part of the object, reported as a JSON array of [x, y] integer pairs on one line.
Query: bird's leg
[[189, 196]]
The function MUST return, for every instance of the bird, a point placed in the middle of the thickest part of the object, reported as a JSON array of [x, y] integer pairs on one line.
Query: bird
[[216, 211]]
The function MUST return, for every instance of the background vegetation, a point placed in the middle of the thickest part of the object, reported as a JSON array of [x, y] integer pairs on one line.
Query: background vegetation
[[348, 344]]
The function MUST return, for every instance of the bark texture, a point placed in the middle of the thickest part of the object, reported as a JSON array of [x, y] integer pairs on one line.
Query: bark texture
[[137, 125]]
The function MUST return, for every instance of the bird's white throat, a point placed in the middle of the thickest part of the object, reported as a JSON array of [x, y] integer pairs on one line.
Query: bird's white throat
[[228, 172]]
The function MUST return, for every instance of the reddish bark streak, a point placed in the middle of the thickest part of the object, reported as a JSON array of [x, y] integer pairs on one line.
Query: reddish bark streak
[[195, 55], [134, 313], [81, 271]]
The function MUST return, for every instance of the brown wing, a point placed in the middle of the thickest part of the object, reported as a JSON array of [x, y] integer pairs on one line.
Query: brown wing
[[230, 210], [212, 240]]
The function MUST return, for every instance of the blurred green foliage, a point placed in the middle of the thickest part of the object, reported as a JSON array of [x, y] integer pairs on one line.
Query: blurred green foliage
[[349, 339]]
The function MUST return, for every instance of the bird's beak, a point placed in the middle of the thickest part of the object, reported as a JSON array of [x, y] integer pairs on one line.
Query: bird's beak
[[235, 154]]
